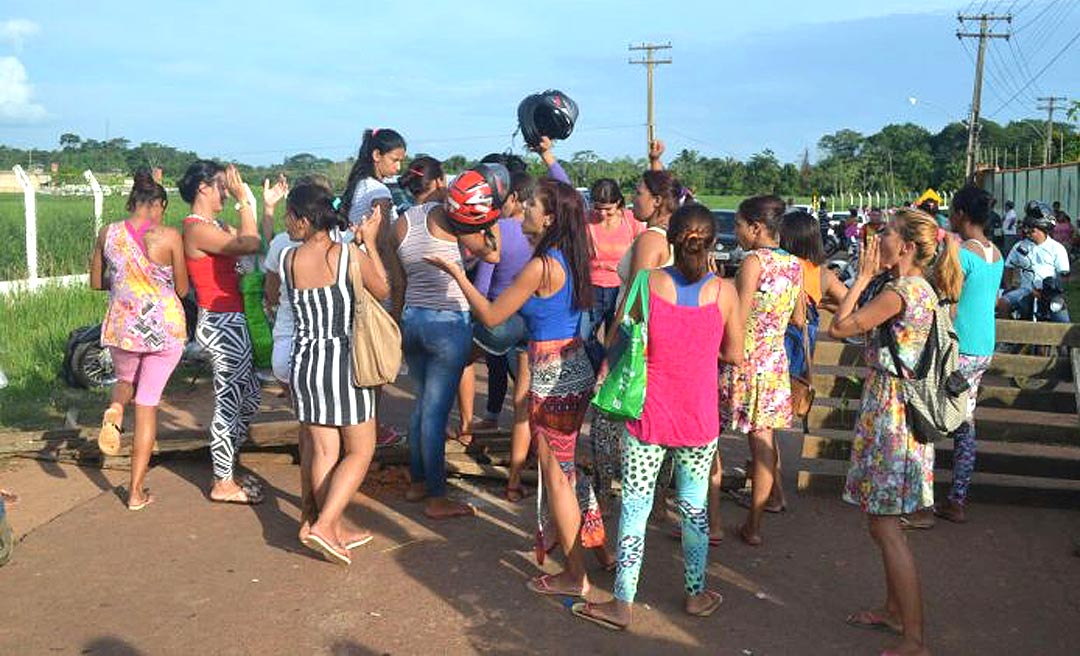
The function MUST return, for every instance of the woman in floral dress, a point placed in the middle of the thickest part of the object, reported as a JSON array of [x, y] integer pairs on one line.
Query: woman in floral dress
[[891, 473], [755, 397]]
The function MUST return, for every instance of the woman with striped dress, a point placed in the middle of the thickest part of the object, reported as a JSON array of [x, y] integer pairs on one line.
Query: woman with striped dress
[[335, 412]]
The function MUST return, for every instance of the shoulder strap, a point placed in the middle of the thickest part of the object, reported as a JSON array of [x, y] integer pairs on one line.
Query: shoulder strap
[[343, 263], [639, 290], [807, 355]]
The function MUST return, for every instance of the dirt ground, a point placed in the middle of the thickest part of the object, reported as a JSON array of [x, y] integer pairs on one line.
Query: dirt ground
[[187, 576]]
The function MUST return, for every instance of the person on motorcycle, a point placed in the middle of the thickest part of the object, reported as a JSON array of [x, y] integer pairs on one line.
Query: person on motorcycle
[[1033, 259]]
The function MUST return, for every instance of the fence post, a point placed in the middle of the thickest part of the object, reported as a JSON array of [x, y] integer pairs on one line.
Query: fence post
[[99, 200], [30, 205]]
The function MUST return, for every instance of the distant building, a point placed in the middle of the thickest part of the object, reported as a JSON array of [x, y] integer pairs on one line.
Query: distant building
[[10, 185]]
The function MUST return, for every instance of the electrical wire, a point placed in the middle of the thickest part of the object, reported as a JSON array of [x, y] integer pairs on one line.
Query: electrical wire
[[1042, 70]]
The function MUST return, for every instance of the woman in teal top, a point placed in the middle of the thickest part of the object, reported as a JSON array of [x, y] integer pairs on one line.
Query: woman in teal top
[[983, 266]]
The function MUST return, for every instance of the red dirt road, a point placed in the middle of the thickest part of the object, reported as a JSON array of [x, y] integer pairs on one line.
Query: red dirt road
[[186, 576]]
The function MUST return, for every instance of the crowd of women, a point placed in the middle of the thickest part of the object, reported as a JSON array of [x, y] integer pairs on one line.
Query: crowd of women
[[541, 292]]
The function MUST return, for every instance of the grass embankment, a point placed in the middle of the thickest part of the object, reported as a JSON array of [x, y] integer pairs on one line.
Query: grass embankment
[[33, 332]]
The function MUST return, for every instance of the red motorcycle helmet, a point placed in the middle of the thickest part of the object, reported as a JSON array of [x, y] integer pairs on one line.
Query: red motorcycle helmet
[[475, 197], [549, 114]]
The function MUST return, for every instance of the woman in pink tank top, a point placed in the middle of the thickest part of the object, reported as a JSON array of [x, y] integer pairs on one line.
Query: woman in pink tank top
[[686, 305]]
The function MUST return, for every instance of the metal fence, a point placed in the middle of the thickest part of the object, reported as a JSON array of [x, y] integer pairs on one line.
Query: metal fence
[[1057, 182]]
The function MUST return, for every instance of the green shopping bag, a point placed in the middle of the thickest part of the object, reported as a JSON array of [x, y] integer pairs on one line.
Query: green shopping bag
[[622, 394]]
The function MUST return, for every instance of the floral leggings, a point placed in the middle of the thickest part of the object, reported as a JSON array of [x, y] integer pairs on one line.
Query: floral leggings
[[972, 367], [640, 467]]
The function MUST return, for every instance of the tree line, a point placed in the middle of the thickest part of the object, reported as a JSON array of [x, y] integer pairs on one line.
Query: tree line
[[896, 158]]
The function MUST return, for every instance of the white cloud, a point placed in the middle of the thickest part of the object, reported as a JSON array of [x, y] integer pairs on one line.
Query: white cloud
[[16, 94], [16, 30]]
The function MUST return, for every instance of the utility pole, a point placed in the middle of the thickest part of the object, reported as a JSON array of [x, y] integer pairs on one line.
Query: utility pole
[[982, 35], [1049, 107], [649, 62]]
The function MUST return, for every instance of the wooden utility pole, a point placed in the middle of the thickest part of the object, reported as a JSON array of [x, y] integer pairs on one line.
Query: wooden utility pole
[[649, 62], [982, 35], [1049, 107]]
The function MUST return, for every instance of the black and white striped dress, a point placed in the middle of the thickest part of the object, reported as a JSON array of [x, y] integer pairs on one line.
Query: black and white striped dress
[[322, 389]]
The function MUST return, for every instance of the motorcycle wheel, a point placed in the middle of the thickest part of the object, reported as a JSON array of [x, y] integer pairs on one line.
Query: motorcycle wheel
[[1031, 383], [92, 365]]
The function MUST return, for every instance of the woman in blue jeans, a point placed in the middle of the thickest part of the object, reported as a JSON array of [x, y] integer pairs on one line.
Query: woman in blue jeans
[[437, 335]]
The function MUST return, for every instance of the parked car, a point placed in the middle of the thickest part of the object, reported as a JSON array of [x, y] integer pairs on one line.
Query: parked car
[[727, 253]]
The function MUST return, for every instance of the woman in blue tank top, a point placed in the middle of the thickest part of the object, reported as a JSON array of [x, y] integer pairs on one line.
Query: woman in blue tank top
[[550, 293]]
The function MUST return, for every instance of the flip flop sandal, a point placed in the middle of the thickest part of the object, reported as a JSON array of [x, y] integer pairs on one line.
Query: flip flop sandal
[[873, 621], [908, 523], [581, 609], [108, 440], [467, 511], [315, 542], [241, 497], [744, 500], [717, 600], [139, 506], [542, 585], [358, 542]]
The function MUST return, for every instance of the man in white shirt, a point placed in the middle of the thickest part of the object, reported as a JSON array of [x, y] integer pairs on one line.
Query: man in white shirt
[[1009, 225], [1032, 260]]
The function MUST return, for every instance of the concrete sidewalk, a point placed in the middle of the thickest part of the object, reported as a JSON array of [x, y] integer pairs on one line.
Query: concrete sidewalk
[[187, 576]]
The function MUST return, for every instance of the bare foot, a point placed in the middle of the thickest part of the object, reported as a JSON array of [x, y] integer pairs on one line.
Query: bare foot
[[227, 490], [704, 604], [444, 508], [416, 492], [606, 559], [305, 529]]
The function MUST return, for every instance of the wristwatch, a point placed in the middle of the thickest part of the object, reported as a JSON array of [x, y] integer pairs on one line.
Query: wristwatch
[[240, 205]]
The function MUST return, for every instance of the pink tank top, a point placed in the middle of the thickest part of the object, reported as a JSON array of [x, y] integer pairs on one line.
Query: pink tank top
[[682, 383]]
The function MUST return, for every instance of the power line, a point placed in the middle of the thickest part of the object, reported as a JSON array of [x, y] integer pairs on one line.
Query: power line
[[1041, 71]]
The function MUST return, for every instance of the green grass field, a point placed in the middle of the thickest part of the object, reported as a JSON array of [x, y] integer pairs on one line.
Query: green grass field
[[65, 226], [33, 332]]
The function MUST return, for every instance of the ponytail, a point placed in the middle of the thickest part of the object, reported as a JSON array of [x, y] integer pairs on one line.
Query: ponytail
[[692, 233], [948, 277]]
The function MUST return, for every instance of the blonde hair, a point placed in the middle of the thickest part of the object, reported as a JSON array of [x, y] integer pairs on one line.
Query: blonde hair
[[935, 252]]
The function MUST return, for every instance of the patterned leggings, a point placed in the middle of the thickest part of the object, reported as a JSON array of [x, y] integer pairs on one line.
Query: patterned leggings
[[606, 438], [236, 390], [640, 465], [972, 367]]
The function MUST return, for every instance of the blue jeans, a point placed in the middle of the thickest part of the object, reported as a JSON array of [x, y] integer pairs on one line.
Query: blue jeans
[[602, 312], [437, 344]]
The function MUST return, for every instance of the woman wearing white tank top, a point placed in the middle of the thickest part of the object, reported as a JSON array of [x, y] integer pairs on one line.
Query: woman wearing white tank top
[[437, 339]]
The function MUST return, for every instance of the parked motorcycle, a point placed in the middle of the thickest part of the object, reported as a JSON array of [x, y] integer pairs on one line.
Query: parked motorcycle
[[1039, 305], [88, 364]]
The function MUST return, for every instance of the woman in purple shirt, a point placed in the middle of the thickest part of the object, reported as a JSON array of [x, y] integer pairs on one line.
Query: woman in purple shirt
[[502, 342]]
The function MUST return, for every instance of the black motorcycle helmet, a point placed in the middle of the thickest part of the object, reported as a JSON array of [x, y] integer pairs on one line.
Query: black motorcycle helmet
[[1038, 214], [549, 114]]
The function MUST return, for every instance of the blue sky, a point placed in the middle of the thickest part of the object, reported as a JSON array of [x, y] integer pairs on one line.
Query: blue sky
[[259, 81]]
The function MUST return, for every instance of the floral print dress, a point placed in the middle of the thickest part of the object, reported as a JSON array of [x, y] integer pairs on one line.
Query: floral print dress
[[756, 395], [891, 473]]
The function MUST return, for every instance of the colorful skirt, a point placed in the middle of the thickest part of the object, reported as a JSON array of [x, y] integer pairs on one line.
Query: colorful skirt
[[559, 394]]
